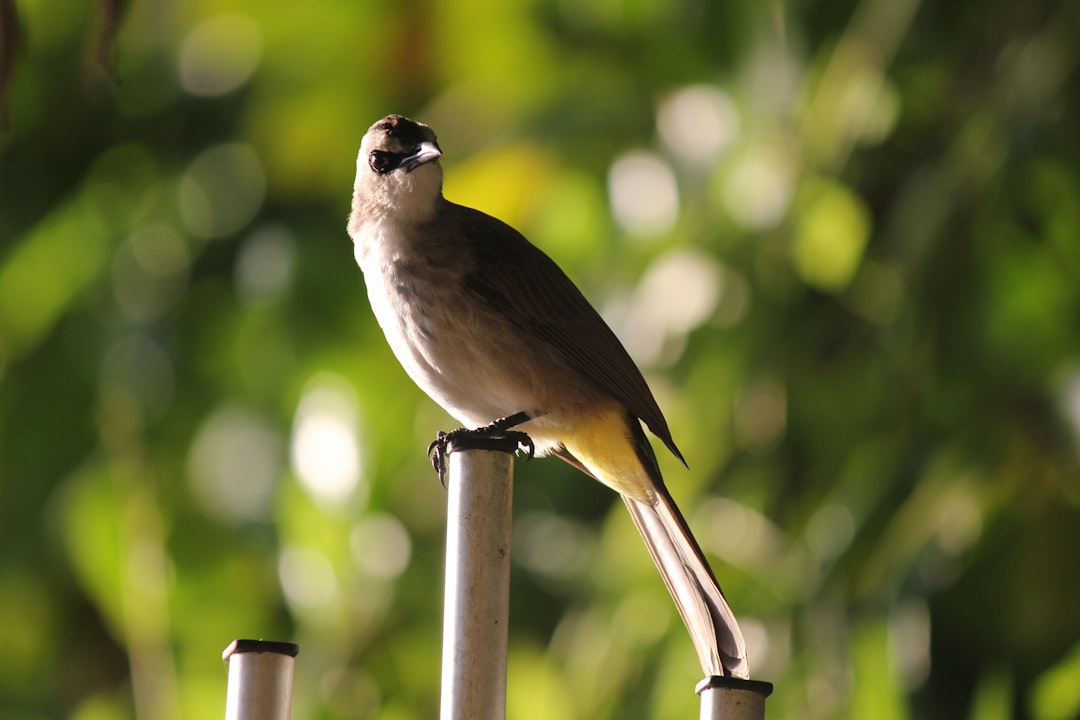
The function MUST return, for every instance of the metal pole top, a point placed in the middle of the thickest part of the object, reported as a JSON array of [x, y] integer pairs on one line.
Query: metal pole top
[[260, 679], [237, 647], [499, 443], [732, 698]]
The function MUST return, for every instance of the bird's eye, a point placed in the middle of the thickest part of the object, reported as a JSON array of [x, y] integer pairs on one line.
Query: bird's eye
[[381, 162]]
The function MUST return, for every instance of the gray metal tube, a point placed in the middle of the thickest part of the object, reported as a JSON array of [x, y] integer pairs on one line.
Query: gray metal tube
[[477, 594], [730, 698], [260, 679]]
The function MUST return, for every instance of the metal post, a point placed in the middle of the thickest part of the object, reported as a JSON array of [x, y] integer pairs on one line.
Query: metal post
[[260, 679], [477, 595], [730, 698]]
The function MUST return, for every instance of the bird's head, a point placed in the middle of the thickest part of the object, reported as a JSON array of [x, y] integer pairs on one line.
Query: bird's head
[[397, 170]]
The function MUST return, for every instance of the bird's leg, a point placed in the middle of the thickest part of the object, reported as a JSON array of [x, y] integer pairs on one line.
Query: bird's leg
[[494, 436], [503, 424]]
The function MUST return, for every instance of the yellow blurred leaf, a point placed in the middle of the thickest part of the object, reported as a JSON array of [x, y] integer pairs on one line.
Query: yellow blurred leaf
[[506, 182], [1056, 695], [832, 229]]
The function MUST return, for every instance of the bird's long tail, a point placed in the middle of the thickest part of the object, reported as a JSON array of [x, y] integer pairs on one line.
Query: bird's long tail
[[708, 618], [612, 447]]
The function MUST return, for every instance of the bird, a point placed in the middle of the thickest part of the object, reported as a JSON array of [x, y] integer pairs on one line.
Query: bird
[[489, 327]]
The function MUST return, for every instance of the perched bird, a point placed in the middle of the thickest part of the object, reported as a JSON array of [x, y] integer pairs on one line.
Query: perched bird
[[489, 327]]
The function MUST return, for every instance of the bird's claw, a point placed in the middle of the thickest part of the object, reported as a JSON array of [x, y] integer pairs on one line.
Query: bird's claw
[[525, 444], [437, 453], [440, 448]]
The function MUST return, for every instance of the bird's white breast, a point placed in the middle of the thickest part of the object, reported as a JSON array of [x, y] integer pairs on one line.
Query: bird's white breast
[[457, 355]]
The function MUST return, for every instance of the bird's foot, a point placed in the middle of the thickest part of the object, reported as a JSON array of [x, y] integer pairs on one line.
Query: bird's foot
[[496, 436]]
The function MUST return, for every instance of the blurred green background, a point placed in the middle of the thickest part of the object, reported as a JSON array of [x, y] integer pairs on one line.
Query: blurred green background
[[841, 238]]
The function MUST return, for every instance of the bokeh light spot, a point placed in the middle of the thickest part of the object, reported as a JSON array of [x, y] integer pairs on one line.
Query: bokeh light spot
[[380, 545], [760, 415], [643, 192], [325, 451], [552, 545], [220, 55], [265, 264], [756, 189], [234, 464], [679, 292], [307, 578], [697, 123], [149, 272], [1069, 401], [222, 190], [833, 228], [829, 531], [909, 642]]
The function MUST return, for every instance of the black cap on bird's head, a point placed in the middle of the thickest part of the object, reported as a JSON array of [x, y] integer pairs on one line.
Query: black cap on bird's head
[[398, 142]]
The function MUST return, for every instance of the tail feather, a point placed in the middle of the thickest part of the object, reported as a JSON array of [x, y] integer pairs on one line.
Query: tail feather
[[708, 618], [705, 612]]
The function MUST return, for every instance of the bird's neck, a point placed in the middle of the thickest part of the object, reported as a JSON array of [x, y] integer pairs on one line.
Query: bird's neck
[[414, 199], [370, 212]]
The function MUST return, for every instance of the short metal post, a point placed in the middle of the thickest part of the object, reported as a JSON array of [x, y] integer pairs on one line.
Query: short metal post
[[260, 679], [477, 595], [730, 698]]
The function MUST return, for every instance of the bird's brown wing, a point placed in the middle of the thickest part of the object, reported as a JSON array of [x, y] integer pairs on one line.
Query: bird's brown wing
[[518, 279], [521, 282]]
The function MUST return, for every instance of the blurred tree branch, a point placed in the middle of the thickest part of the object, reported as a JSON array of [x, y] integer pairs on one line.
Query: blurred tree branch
[[111, 13]]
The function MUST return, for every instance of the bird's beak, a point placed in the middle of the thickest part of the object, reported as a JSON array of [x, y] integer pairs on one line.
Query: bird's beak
[[425, 153]]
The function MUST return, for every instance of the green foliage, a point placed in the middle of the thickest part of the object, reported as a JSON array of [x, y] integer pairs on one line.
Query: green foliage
[[842, 241]]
